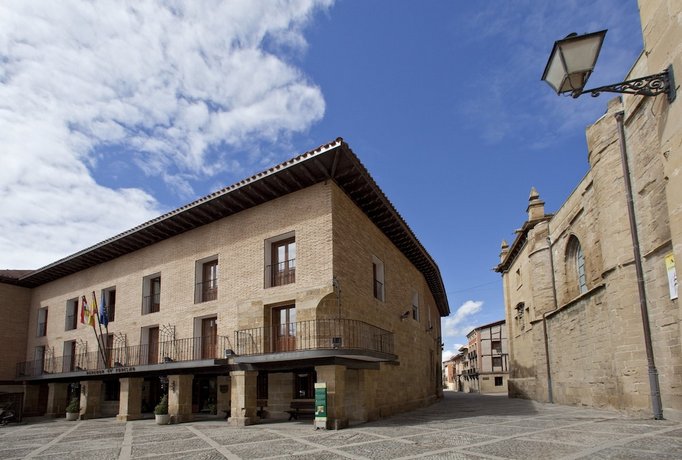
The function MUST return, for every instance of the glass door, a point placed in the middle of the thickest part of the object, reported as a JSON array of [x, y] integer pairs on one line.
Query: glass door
[[284, 325]]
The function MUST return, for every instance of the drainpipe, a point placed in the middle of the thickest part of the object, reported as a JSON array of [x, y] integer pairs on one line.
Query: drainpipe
[[550, 393], [656, 405]]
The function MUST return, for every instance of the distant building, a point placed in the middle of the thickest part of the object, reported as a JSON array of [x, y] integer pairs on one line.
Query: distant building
[[570, 287], [481, 366], [239, 303]]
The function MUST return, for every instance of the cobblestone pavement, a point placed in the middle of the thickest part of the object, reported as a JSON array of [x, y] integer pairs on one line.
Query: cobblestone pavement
[[461, 426]]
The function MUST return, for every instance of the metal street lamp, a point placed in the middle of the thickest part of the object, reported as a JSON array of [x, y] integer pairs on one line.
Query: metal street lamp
[[567, 71], [572, 62]]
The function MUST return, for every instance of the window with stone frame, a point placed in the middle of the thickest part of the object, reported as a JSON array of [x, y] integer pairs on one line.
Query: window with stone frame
[[520, 321], [575, 268]]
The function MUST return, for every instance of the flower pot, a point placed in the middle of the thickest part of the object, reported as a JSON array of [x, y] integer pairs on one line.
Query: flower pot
[[162, 419], [72, 416]]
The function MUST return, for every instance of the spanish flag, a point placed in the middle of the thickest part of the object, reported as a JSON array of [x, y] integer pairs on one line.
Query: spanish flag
[[94, 313]]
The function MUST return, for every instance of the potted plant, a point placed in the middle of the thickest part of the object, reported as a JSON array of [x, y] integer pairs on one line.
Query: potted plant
[[73, 409], [161, 411]]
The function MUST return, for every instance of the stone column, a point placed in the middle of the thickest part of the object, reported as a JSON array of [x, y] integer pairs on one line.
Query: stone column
[[223, 397], [180, 398], [91, 398], [243, 391], [56, 399], [368, 386], [335, 378], [130, 399]]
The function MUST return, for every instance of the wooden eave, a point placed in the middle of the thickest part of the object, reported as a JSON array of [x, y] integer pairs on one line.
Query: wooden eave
[[333, 161]]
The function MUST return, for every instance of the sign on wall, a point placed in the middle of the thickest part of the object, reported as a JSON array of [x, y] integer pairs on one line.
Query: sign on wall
[[320, 405], [672, 275]]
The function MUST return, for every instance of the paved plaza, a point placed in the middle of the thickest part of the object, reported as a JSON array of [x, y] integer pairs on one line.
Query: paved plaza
[[461, 426]]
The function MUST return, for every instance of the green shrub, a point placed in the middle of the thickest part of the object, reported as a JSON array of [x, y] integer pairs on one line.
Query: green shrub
[[162, 407], [74, 406]]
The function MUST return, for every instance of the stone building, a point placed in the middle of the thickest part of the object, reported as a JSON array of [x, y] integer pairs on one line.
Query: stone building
[[240, 302], [570, 287], [486, 358], [452, 369]]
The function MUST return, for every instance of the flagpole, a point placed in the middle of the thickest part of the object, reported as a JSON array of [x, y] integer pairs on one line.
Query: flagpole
[[92, 323], [101, 338]]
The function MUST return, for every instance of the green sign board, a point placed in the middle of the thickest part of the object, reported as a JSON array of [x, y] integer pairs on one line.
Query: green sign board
[[320, 402]]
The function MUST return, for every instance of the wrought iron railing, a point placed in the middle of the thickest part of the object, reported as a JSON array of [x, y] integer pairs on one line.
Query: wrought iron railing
[[151, 304], [206, 291], [281, 273], [179, 350], [314, 335]]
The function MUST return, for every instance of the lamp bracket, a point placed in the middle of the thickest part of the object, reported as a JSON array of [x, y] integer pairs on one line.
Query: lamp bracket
[[651, 85]]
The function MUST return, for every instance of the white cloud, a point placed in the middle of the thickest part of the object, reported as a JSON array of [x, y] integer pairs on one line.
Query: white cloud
[[168, 87], [454, 350], [457, 323]]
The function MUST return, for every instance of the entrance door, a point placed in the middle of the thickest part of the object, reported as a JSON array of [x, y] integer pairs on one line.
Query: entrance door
[[284, 325], [153, 342], [209, 335]]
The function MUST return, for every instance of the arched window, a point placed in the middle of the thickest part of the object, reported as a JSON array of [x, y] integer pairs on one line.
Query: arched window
[[576, 264]]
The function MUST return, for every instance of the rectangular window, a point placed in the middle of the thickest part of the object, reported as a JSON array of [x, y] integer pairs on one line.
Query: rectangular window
[[151, 294], [71, 320], [378, 277], [69, 360], [496, 346], [42, 322], [280, 260], [110, 303], [497, 361], [39, 360], [415, 306], [206, 274], [499, 381]]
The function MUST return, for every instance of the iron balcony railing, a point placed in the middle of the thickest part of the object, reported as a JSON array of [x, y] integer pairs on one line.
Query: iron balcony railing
[[314, 335], [151, 304], [179, 350], [206, 291], [281, 273]]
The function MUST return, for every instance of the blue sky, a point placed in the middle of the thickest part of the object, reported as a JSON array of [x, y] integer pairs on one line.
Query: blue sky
[[110, 116]]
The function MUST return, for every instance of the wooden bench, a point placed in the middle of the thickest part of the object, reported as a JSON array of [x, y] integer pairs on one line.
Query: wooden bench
[[301, 407]]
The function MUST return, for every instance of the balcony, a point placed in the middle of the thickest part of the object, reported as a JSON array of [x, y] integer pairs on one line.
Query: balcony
[[280, 274], [179, 350], [151, 304], [328, 337], [206, 291]]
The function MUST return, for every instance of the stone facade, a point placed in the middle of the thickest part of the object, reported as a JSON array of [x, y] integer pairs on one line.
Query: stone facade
[[482, 365], [14, 313], [569, 278], [275, 333]]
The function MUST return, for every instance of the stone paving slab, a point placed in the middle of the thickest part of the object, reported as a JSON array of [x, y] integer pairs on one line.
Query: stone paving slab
[[461, 426]]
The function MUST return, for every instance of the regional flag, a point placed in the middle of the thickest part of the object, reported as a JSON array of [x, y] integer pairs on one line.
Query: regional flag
[[103, 312], [85, 311]]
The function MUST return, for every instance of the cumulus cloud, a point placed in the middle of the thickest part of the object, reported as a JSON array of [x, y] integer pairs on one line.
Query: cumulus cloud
[[449, 353], [168, 89], [457, 324]]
